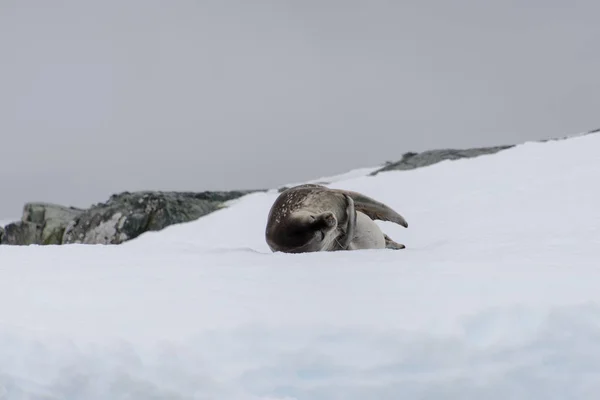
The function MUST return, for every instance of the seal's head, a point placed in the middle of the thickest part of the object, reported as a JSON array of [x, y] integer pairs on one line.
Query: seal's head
[[303, 232], [310, 218]]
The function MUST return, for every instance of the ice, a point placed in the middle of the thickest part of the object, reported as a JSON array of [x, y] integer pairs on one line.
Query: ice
[[495, 297]]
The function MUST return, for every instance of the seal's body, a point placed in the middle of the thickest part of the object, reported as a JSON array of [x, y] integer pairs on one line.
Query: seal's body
[[368, 234], [309, 218]]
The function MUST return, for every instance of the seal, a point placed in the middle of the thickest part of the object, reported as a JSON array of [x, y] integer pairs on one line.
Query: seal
[[311, 217]]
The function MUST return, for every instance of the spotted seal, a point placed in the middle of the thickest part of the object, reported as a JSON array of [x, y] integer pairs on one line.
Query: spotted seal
[[312, 217]]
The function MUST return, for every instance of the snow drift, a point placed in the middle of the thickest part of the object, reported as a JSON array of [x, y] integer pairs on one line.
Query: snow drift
[[496, 296]]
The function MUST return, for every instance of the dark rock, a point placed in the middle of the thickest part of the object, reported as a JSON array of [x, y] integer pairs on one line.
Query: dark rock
[[52, 218], [127, 215], [123, 217], [554, 139], [1, 234], [418, 160], [41, 223], [22, 233]]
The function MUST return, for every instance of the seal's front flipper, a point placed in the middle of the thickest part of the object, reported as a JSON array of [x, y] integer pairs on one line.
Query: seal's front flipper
[[350, 231], [373, 208], [390, 244]]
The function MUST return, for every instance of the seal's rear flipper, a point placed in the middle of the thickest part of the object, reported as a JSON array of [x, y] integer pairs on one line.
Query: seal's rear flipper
[[390, 244], [373, 208]]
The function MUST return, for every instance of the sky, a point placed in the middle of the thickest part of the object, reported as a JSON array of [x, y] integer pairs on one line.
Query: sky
[[106, 96]]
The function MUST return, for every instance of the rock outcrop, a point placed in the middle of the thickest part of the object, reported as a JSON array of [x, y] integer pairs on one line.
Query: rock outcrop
[[127, 215], [412, 160], [418, 160], [22, 233], [41, 223], [51, 218], [123, 217]]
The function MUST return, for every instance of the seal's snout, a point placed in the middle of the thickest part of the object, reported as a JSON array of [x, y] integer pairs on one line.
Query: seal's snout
[[329, 220], [326, 220]]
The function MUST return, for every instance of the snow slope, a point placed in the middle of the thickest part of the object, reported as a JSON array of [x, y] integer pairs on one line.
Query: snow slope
[[355, 173], [495, 297]]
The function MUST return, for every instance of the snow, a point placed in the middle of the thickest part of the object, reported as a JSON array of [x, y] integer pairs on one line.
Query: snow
[[355, 173], [495, 297]]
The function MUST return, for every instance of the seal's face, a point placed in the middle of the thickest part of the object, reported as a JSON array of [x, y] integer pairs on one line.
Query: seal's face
[[304, 232]]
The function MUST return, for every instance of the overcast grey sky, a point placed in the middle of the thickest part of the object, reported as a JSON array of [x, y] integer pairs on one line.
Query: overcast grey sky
[[98, 97]]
